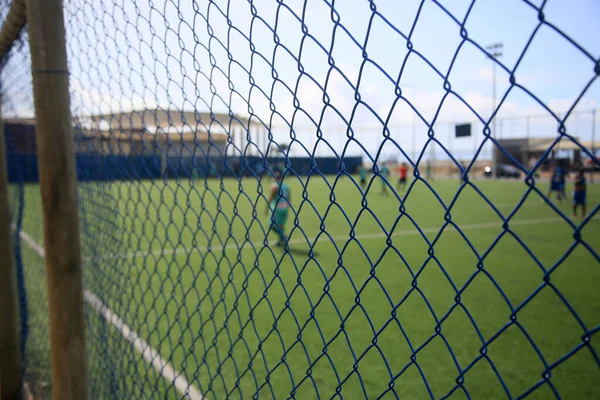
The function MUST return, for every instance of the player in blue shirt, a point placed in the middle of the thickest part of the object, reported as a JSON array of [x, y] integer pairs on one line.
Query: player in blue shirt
[[579, 194], [563, 183], [557, 182]]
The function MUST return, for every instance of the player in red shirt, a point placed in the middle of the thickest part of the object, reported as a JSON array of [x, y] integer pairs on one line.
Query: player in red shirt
[[402, 171]]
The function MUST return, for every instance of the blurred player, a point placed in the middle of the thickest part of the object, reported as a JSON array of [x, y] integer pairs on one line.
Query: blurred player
[[428, 170], [557, 182], [402, 171], [563, 182], [279, 205], [579, 194], [532, 167], [385, 172], [363, 176]]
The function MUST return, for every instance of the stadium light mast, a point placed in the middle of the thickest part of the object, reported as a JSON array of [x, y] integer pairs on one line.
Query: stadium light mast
[[495, 51]]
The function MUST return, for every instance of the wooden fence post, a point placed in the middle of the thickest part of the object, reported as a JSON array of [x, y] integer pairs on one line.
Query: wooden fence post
[[60, 206], [10, 353]]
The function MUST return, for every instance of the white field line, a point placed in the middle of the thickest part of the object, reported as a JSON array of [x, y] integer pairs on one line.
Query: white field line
[[367, 236], [162, 366], [36, 247], [148, 353], [180, 250]]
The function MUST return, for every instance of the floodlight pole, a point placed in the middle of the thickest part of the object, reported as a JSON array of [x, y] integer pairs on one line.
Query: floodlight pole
[[495, 52], [450, 149]]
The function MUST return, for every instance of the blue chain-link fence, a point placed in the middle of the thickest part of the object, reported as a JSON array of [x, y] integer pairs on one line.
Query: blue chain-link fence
[[274, 200]]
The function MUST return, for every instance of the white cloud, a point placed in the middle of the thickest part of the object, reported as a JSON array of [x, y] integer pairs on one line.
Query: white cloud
[[485, 74], [372, 90], [563, 105], [88, 100]]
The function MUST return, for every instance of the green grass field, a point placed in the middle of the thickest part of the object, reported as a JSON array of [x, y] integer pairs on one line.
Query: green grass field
[[371, 291]]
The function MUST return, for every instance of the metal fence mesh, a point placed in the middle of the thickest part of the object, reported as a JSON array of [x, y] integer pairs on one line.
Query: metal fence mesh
[[203, 128]]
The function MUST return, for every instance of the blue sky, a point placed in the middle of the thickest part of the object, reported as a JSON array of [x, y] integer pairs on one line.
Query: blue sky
[[189, 57]]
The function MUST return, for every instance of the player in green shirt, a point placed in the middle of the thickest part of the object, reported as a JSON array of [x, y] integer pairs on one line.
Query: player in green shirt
[[385, 173], [279, 206], [363, 176], [428, 170]]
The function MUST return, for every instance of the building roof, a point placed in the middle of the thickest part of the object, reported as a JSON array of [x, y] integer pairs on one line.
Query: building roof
[[565, 144], [165, 118], [19, 121], [121, 127], [139, 135]]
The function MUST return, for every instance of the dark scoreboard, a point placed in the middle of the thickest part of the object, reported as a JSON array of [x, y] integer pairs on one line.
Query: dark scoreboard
[[462, 130]]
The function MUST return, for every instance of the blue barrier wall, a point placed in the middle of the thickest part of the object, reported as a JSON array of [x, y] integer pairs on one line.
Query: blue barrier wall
[[117, 168], [91, 166], [253, 165], [23, 167]]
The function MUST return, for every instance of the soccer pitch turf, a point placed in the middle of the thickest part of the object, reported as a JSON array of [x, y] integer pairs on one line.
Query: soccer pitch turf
[[349, 310]]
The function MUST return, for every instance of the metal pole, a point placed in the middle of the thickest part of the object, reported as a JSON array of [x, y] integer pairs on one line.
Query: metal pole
[[495, 53], [450, 150], [433, 161], [164, 152], [60, 204], [243, 133], [414, 137], [255, 142], [10, 355], [258, 140], [500, 130], [474, 142], [494, 147], [494, 96], [259, 134], [593, 144]]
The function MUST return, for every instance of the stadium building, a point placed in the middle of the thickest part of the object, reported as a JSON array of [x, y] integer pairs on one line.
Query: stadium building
[[527, 150]]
